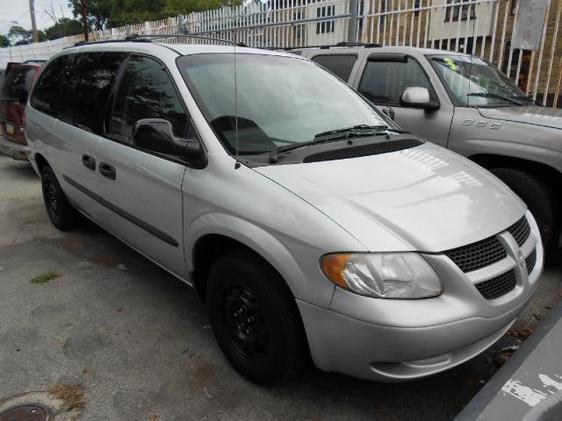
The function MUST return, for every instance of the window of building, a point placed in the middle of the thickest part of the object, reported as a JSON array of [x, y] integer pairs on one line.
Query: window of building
[[462, 12], [325, 26]]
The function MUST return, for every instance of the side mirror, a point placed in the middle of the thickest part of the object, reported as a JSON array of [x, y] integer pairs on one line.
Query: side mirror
[[417, 97], [156, 134], [389, 112]]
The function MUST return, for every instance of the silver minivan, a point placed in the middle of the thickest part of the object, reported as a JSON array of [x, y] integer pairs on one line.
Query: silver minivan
[[309, 223]]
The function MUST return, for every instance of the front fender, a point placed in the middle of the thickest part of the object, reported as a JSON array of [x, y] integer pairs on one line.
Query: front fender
[[300, 269], [507, 148]]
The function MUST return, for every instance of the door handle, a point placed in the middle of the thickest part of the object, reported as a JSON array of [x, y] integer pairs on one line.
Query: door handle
[[89, 162], [107, 171]]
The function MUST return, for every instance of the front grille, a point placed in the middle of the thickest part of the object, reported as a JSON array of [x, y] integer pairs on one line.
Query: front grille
[[531, 261], [363, 150], [498, 286], [477, 255], [520, 231]]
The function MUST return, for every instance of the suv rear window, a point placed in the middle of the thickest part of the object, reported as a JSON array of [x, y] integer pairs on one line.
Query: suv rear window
[[339, 64], [17, 83]]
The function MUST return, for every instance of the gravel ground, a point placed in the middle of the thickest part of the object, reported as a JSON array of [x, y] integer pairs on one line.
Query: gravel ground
[[114, 337]]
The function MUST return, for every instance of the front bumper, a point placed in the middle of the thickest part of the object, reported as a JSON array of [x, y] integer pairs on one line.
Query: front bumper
[[15, 150], [386, 353], [398, 340]]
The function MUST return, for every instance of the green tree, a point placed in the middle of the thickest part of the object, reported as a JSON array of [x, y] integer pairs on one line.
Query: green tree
[[18, 35], [63, 28], [99, 12], [103, 14], [4, 41], [183, 7]]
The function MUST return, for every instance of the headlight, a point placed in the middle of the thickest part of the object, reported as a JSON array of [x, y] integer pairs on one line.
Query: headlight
[[383, 275]]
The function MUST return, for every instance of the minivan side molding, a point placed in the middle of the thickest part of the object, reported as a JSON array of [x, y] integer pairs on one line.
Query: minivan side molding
[[124, 214]]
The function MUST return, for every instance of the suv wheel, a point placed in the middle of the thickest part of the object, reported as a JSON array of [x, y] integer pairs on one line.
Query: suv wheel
[[255, 319], [60, 211], [538, 197]]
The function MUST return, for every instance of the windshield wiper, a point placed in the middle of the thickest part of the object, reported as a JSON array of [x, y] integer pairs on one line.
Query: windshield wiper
[[359, 130], [346, 132], [491, 95]]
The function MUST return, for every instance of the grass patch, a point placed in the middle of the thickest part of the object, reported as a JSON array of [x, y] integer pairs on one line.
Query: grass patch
[[45, 277], [70, 394]]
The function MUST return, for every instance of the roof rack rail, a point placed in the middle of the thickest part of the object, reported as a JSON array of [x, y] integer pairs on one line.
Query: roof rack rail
[[35, 61], [339, 44], [137, 37], [148, 38], [80, 43]]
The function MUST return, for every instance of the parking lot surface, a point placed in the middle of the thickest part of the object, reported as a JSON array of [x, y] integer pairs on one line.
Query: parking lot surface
[[81, 310]]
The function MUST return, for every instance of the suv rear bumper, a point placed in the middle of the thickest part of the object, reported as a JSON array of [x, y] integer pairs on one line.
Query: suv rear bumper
[[15, 150]]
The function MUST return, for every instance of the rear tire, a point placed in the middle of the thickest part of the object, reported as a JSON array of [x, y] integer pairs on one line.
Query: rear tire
[[255, 319], [61, 213], [539, 198]]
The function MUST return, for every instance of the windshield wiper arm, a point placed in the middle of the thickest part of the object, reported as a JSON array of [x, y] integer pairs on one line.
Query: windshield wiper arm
[[491, 95], [357, 130], [335, 135]]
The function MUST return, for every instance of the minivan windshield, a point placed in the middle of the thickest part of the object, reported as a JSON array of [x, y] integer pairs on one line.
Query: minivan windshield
[[279, 101], [474, 82]]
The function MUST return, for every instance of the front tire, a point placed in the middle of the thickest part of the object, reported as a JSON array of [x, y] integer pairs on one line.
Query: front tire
[[61, 213], [539, 198], [255, 319]]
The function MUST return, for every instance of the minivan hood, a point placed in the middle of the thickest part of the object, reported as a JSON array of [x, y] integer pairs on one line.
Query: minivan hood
[[531, 114], [425, 198]]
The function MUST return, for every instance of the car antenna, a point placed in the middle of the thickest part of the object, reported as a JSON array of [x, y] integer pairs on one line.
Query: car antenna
[[237, 164]]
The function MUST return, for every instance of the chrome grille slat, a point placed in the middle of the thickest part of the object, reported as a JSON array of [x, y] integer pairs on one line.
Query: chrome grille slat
[[497, 286], [531, 260], [520, 231], [477, 255]]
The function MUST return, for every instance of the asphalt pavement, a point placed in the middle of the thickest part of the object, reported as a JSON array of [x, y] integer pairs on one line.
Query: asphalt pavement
[[91, 330]]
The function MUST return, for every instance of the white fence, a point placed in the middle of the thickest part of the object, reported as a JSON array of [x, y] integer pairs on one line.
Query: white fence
[[480, 27]]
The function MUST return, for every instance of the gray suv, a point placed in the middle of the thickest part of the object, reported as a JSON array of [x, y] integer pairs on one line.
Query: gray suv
[[466, 104], [308, 222]]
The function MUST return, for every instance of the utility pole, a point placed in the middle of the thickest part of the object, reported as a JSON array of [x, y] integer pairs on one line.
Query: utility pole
[[33, 23], [85, 18]]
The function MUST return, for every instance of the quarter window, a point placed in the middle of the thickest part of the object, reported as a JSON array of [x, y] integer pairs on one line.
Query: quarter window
[[45, 96], [339, 64], [383, 82], [145, 91], [87, 84]]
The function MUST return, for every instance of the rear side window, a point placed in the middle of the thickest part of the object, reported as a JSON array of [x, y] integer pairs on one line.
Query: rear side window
[[145, 91], [339, 64], [45, 96], [17, 83], [384, 81], [87, 84]]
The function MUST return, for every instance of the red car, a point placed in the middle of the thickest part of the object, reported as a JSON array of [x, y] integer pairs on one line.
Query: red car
[[17, 83]]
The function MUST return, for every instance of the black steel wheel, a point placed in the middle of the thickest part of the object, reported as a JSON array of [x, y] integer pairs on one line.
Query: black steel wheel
[[60, 211], [255, 318], [245, 324]]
